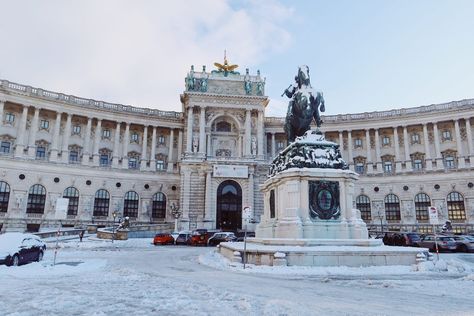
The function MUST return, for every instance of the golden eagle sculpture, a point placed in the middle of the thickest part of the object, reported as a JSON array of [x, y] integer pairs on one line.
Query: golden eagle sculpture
[[226, 68]]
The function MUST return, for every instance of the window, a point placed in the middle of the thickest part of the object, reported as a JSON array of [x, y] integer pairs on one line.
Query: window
[[130, 206], [223, 127], [132, 163], [73, 156], [446, 135], [415, 138], [422, 203], [456, 210], [280, 145], [387, 167], [101, 203], [36, 199], [41, 152], [449, 162], [363, 205], [104, 160], [4, 196], [392, 207], [76, 130], [5, 147], [44, 124], [386, 141], [160, 165], [106, 133], [417, 164], [72, 194], [357, 142], [159, 206], [10, 118], [134, 138], [359, 168], [161, 140]]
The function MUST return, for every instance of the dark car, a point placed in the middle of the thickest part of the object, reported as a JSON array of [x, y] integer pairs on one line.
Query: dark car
[[445, 243], [183, 239], [464, 243], [19, 248], [163, 239], [241, 235], [221, 237]]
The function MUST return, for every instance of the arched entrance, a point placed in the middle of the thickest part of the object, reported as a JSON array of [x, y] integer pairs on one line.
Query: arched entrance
[[229, 206]]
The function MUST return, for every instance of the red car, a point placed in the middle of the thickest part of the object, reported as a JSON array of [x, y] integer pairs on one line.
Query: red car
[[163, 239], [199, 237]]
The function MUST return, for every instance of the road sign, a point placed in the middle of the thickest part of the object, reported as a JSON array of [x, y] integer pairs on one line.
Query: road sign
[[433, 215], [247, 213]]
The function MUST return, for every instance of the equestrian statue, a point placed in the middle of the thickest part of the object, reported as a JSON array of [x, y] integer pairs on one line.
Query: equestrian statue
[[304, 106]]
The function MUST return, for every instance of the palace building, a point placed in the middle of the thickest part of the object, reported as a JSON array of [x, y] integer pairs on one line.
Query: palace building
[[209, 160]]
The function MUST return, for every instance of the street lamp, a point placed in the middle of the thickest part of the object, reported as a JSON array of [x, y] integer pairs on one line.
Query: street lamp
[[176, 213], [114, 214]]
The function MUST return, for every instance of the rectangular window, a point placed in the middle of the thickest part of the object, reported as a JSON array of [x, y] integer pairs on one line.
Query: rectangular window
[[134, 138], [106, 133], [160, 165], [280, 145], [10, 117], [359, 168], [386, 141], [387, 167], [104, 160], [5, 147], [415, 138], [76, 129], [417, 164], [44, 124], [132, 163], [161, 140], [446, 135], [73, 156], [40, 152], [357, 142], [449, 162]]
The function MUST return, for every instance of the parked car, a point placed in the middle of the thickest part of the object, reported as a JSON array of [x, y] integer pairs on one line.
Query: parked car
[[464, 243], [183, 239], [221, 237], [163, 239], [240, 235], [19, 248], [445, 243], [199, 237]]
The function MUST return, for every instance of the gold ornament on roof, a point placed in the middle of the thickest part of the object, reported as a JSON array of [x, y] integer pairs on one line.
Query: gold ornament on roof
[[226, 68]]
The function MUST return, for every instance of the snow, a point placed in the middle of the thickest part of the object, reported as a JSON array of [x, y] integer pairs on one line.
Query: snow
[[134, 277]]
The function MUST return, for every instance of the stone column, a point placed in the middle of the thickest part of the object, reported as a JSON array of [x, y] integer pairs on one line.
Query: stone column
[[116, 152], [378, 159], [208, 203], [170, 154], [248, 134], [87, 140], [429, 163], [439, 159], [273, 146], [180, 143], [260, 132], [2, 105], [469, 138], [186, 193], [66, 135], [251, 190], [95, 153], [202, 131], [461, 160], [370, 166], [55, 144], [406, 144], [209, 149], [126, 141], [153, 150], [144, 147], [189, 135], [32, 137], [20, 139], [396, 141], [350, 158]]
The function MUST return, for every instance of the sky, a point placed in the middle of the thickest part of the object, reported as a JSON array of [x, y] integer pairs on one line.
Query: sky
[[364, 55]]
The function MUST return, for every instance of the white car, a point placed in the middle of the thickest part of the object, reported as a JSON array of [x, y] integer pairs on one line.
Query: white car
[[19, 248]]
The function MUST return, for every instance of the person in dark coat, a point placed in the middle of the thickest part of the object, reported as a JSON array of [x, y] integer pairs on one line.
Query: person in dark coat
[[81, 234]]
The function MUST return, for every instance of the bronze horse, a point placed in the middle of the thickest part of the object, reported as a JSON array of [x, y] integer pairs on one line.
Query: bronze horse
[[303, 107]]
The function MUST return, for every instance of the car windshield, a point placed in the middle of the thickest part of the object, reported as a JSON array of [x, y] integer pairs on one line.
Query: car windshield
[[446, 238]]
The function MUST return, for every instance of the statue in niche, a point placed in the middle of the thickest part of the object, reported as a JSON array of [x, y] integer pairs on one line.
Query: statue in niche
[[304, 105], [254, 145], [247, 83], [190, 80], [195, 144], [260, 86]]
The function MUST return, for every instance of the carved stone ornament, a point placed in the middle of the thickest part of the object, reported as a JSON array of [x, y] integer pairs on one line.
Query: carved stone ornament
[[324, 200], [309, 151]]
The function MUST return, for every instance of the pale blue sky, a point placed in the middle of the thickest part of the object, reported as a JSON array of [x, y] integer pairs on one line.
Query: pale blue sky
[[364, 55]]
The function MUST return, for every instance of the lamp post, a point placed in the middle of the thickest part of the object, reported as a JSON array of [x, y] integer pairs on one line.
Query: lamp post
[[176, 213], [114, 214]]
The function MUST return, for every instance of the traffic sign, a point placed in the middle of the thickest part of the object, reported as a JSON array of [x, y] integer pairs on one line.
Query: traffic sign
[[433, 215]]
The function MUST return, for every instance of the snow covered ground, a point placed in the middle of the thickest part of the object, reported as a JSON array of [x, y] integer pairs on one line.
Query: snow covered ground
[[136, 278]]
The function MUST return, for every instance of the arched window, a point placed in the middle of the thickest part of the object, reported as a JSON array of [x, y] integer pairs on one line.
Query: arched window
[[101, 203], [223, 126], [130, 205], [456, 210], [4, 196], [72, 194], [363, 205], [422, 203], [159, 206], [392, 207], [36, 199]]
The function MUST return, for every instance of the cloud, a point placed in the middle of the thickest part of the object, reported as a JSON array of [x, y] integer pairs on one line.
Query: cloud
[[133, 52]]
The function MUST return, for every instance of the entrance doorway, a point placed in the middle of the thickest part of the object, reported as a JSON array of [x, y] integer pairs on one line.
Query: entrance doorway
[[229, 206]]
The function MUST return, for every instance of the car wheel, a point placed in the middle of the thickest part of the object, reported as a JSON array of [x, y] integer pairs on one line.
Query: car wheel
[[40, 256]]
